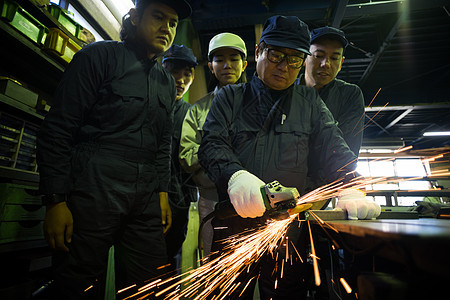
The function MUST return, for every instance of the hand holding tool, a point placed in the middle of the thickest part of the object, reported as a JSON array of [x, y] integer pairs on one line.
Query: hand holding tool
[[245, 195], [278, 202]]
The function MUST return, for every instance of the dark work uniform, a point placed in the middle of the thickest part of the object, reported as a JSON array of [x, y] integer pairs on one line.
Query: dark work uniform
[[270, 134], [346, 103], [182, 190], [106, 143]]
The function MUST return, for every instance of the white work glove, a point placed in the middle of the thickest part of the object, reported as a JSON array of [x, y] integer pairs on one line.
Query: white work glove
[[244, 190], [357, 206]]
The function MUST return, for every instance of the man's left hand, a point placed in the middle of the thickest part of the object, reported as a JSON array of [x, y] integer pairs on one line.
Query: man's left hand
[[166, 212], [357, 206]]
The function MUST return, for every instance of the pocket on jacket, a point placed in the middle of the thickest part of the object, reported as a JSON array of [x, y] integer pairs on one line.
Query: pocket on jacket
[[293, 148], [131, 101], [79, 164]]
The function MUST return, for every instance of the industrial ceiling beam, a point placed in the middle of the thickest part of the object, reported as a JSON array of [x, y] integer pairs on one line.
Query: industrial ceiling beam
[[338, 13], [242, 20], [399, 118], [416, 107], [357, 60], [378, 125], [384, 45], [387, 7], [396, 120]]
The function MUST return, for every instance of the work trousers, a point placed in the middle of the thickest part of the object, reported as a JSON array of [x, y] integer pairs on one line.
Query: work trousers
[[205, 207], [113, 201], [176, 235], [277, 280]]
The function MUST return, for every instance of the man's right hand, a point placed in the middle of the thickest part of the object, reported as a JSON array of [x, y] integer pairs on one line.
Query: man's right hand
[[58, 226], [244, 190]]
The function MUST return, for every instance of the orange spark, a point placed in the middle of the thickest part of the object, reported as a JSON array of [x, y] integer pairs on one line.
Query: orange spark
[[314, 258], [362, 116], [347, 287], [433, 158], [287, 250], [347, 164], [246, 286], [297, 252], [403, 149], [374, 97], [88, 288], [370, 120], [124, 289], [162, 267]]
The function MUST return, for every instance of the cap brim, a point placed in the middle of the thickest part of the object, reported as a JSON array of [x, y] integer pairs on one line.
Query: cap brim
[[182, 7], [231, 47], [284, 44], [189, 62], [335, 36]]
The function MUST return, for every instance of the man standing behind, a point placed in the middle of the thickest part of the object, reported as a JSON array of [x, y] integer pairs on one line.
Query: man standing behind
[[344, 100], [181, 63], [104, 154], [227, 55]]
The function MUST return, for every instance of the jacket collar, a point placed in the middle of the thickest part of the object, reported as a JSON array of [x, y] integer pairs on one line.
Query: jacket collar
[[141, 52], [261, 87], [301, 80]]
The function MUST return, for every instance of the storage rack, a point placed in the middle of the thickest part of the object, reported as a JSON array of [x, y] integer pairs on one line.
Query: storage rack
[[22, 245]]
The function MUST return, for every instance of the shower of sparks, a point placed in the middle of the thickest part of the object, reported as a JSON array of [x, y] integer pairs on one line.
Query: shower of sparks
[[217, 278], [218, 275]]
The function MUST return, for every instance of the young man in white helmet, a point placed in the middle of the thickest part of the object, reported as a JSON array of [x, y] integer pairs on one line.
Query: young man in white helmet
[[227, 55]]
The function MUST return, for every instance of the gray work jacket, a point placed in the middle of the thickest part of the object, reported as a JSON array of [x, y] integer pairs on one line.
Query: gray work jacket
[[346, 103], [111, 95], [247, 128]]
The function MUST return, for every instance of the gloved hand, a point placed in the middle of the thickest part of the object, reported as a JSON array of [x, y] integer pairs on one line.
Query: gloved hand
[[357, 206], [244, 190]]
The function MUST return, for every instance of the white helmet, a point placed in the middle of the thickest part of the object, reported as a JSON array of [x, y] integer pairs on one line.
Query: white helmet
[[226, 40]]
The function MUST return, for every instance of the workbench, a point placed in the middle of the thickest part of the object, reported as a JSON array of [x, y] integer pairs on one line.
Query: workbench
[[413, 253]]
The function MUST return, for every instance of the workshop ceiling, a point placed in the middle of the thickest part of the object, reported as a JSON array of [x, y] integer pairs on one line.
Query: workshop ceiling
[[399, 51]]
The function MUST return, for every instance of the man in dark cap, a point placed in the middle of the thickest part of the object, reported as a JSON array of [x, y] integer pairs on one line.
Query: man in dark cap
[[180, 62], [344, 100], [104, 155], [262, 131]]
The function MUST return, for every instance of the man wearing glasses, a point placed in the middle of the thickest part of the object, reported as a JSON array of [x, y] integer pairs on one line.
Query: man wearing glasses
[[344, 100], [263, 131]]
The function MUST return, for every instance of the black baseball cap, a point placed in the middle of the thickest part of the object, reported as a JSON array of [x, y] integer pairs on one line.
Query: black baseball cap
[[330, 32], [180, 53], [182, 7], [286, 31]]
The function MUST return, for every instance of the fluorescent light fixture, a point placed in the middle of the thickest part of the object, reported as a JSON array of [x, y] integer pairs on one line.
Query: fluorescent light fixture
[[378, 150], [436, 133], [118, 8]]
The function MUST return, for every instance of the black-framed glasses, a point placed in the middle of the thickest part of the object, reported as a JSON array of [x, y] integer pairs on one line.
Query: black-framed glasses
[[276, 56]]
